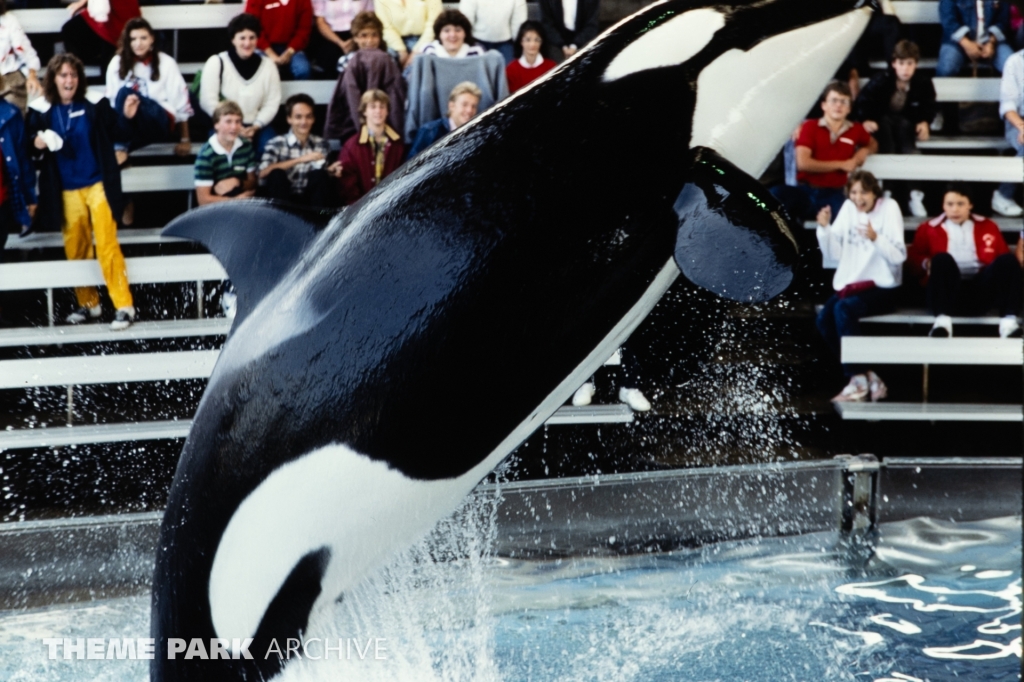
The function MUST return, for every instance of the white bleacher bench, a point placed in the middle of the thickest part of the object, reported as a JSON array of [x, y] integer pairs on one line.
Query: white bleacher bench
[[946, 168], [923, 350], [51, 240], [161, 17], [916, 11], [97, 333], [960, 412], [964, 143], [966, 89], [910, 223], [920, 316], [107, 369]]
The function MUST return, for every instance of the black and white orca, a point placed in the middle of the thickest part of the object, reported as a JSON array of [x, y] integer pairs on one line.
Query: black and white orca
[[385, 359]]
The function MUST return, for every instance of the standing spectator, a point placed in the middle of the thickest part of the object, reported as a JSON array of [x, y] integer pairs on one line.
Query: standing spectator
[[454, 36], [1011, 108], [17, 180], [375, 153], [965, 265], [495, 23], [570, 25], [368, 68], [80, 184], [285, 35], [529, 64], [19, 62], [462, 106], [241, 75], [292, 167], [334, 34], [94, 28], [975, 31], [408, 24], [827, 149], [226, 165], [148, 91], [897, 109], [866, 240]]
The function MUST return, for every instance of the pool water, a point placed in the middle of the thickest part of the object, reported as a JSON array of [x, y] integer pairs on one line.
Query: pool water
[[938, 601]]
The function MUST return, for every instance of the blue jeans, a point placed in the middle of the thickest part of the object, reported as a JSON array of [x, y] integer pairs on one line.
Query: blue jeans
[[505, 48], [260, 140], [840, 317], [297, 69], [952, 59], [1007, 188], [150, 124]]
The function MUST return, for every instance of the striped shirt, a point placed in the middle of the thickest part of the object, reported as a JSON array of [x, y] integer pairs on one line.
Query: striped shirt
[[214, 163], [287, 147]]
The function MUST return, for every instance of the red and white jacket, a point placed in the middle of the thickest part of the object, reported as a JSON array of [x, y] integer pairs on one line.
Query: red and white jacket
[[931, 239]]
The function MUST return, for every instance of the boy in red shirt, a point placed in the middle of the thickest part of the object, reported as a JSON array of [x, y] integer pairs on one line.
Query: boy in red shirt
[[827, 150], [286, 30], [964, 263]]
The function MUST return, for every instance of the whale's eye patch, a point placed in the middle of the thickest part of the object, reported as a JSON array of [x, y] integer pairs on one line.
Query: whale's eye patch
[[668, 44]]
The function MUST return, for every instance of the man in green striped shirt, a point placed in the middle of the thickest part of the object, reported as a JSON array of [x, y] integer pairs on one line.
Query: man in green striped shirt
[[226, 165]]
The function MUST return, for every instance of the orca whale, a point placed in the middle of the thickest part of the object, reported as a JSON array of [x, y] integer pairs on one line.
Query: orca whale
[[386, 358]]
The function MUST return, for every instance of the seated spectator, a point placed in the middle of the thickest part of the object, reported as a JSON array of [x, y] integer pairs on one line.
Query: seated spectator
[[292, 167], [462, 106], [80, 184], [897, 108], [19, 62], [866, 240], [1011, 108], [94, 28], [334, 33], [368, 68], [827, 150], [243, 76], [570, 24], [495, 23], [285, 35], [226, 165], [148, 92], [432, 78], [373, 154], [974, 31], [529, 64], [408, 24], [454, 36], [965, 265]]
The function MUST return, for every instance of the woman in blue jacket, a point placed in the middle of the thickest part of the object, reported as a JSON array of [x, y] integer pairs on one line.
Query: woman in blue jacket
[[17, 179]]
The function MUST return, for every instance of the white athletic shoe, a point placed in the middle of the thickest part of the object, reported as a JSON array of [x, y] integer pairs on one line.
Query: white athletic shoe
[[635, 399], [937, 122], [123, 319], [855, 392], [916, 204], [82, 314], [1006, 206], [583, 395], [943, 327], [1009, 327], [229, 304]]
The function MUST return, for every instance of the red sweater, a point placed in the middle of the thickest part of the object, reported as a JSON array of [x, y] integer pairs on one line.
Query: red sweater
[[358, 174], [931, 239], [120, 12], [519, 76], [285, 22]]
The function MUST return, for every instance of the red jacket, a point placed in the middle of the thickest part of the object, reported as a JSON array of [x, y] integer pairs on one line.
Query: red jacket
[[357, 164], [120, 12], [931, 239], [519, 76], [287, 22]]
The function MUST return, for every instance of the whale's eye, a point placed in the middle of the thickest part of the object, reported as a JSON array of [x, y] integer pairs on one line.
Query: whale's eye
[[669, 44]]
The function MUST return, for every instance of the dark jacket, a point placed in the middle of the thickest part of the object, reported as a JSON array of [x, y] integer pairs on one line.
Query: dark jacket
[[358, 167], [873, 101], [959, 18], [365, 70], [104, 129], [560, 35], [19, 175], [428, 134]]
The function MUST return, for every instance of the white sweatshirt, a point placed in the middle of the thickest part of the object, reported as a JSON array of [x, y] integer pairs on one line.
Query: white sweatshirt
[[170, 91], [494, 21], [861, 259], [16, 51], [259, 97]]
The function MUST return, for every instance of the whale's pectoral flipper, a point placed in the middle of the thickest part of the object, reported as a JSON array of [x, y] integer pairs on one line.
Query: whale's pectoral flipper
[[257, 242], [733, 236]]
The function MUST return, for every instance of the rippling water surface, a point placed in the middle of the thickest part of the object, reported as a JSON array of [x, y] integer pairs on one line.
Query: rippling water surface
[[939, 601]]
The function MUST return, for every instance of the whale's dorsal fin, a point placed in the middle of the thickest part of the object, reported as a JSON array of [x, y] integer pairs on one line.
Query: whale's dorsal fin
[[734, 237], [257, 242]]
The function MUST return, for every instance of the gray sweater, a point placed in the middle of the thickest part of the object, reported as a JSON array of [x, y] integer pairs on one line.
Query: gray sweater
[[432, 78]]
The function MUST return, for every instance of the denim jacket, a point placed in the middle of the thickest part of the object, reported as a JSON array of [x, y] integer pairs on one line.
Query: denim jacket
[[959, 18], [20, 176]]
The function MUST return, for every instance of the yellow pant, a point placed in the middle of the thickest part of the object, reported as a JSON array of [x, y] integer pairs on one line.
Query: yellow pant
[[86, 212]]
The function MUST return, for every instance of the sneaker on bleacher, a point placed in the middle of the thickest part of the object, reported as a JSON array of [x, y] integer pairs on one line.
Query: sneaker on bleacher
[[1009, 328], [855, 391], [943, 327], [229, 304], [83, 313], [583, 395], [123, 319], [916, 204], [1005, 206], [635, 399]]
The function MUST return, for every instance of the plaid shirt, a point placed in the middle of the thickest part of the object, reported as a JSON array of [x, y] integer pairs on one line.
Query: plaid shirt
[[287, 147]]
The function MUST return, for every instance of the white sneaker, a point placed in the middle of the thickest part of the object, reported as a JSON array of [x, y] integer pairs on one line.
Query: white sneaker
[[1005, 206], [583, 395], [229, 304], [1009, 328], [635, 399], [855, 392], [82, 314], [123, 319], [937, 122], [916, 204], [943, 327]]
